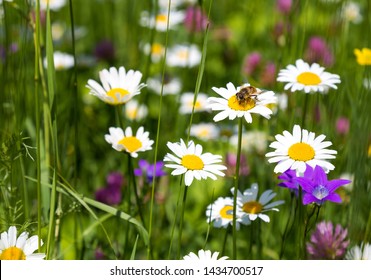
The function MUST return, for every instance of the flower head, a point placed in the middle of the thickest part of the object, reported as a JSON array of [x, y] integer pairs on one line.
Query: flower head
[[118, 86], [186, 103], [310, 78], [327, 242], [190, 160], [317, 189], [204, 256], [62, 61], [232, 105], [195, 19], [149, 170], [231, 162], [352, 12], [21, 248], [253, 208], [111, 194], [342, 125], [362, 252], [105, 50], [160, 21], [318, 51], [156, 50], [126, 141], [135, 111], [183, 56], [221, 213], [363, 56], [54, 5], [170, 85], [300, 148], [205, 131]]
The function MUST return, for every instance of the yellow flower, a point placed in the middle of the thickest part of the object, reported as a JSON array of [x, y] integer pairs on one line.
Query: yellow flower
[[363, 56]]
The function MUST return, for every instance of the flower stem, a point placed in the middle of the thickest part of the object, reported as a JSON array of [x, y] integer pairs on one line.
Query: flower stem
[[181, 221], [236, 179]]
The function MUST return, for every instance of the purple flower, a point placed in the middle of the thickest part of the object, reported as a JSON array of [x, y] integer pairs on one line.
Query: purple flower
[[251, 63], [111, 194], [195, 19], [105, 50], [149, 170], [318, 51], [231, 161], [268, 76], [327, 243], [317, 189], [284, 6], [342, 125]]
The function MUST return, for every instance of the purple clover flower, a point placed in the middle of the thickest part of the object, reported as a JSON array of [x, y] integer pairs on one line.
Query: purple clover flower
[[148, 170], [111, 194], [195, 19], [327, 242], [316, 187]]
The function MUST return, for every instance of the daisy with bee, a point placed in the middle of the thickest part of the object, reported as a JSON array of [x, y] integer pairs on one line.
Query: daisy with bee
[[241, 102]]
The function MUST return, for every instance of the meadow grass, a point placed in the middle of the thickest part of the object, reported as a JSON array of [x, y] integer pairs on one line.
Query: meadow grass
[[54, 156]]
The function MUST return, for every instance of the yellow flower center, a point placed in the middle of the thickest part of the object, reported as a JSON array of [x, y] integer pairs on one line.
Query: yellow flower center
[[12, 253], [252, 207], [157, 49], [301, 152], [192, 162], [204, 132], [161, 18], [117, 92], [226, 212], [246, 105], [132, 113], [131, 143], [183, 54], [308, 79]]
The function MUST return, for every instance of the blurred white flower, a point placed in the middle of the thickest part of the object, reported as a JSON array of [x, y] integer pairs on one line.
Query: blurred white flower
[[62, 61], [183, 56], [186, 103]]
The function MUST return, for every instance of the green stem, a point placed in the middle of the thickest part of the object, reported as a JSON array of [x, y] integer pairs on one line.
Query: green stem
[[236, 181], [181, 221]]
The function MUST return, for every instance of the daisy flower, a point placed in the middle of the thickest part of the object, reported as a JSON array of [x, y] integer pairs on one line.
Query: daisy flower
[[125, 141], [203, 256], [54, 5], [183, 56], [352, 12], [362, 252], [190, 160], [156, 50], [300, 148], [310, 78], [205, 131], [186, 103], [134, 111], [171, 85], [231, 108], [160, 20], [62, 61], [221, 213], [253, 208], [21, 248], [118, 86]]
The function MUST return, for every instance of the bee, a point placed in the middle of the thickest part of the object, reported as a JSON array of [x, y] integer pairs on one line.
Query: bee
[[246, 94]]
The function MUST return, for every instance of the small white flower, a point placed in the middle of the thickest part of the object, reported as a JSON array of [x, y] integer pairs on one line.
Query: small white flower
[[183, 56], [171, 86], [156, 50], [205, 131], [221, 213], [118, 86], [54, 5], [134, 111], [253, 208], [21, 248], [231, 108], [352, 12], [190, 160], [164, 4], [121, 141], [186, 103], [204, 256], [253, 140], [300, 148], [62, 61], [161, 20], [362, 252], [310, 78]]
